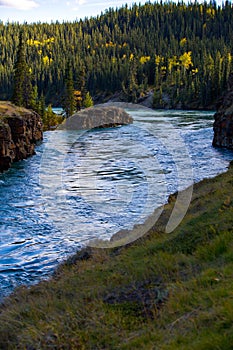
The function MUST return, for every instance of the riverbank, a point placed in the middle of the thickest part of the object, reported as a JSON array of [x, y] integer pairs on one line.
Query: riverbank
[[152, 99], [165, 291], [20, 130]]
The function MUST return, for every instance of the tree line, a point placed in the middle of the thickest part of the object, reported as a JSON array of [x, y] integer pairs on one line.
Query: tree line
[[183, 52], [25, 94]]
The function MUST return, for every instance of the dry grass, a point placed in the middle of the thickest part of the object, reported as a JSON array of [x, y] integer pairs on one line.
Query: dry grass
[[8, 109]]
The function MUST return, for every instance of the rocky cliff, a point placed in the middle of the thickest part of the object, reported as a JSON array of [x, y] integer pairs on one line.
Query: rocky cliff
[[20, 129], [101, 116], [223, 124]]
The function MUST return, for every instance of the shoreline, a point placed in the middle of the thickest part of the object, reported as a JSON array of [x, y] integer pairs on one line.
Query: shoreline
[[156, 221], [139, 228], [149, 291]]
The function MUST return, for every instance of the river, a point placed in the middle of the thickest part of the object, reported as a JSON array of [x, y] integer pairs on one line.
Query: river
[[85, 185]]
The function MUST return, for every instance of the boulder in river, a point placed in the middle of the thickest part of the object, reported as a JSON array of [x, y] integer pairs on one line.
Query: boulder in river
[[223, 124], [97, 117]]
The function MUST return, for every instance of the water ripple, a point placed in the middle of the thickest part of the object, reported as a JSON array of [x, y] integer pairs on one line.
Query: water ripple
[[107, 180]]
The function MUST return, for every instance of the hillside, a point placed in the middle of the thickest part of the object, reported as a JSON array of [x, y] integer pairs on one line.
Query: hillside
[[165, 291], [183, 53]]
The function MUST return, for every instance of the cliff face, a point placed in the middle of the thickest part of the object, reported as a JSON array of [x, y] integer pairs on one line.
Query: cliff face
[[20, 129], [223, 124]]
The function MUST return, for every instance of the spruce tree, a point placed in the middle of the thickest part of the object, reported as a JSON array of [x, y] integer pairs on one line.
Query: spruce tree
[[68, 99], [88, 102], [22, 89], [41, 105], [81, 81], [126, 48]]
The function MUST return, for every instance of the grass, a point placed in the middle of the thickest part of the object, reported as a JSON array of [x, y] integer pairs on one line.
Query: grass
[[164, 291], [8, 109]]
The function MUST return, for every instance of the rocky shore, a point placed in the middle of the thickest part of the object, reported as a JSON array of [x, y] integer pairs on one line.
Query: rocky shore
[[20, 129]]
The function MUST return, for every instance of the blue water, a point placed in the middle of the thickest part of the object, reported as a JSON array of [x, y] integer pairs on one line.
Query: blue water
[[85, 185]]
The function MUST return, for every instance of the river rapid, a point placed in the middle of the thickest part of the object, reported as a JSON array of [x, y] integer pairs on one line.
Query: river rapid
[[86, 185]]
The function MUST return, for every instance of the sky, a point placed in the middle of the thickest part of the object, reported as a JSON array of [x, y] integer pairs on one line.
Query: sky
[[52, 10]]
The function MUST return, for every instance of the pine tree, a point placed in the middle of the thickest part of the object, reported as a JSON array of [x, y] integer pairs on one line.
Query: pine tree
[[113, 49], [34, 104], [81, 81], [88, 102], [22, 90], [50, 117], [41, 105], [69, 100], [132, 88]]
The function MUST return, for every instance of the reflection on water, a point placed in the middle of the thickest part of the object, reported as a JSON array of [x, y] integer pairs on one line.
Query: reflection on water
[[94, 183]]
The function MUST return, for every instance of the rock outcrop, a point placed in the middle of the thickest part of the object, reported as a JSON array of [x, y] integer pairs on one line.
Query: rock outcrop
[[223, 124], [97, 117], [20, 129]]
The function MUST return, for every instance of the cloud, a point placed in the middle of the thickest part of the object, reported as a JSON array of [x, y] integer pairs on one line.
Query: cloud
[[19, 4], [80, 2], [76, 4]]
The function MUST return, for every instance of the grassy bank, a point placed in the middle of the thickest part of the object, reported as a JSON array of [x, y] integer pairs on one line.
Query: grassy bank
[[165, 291]]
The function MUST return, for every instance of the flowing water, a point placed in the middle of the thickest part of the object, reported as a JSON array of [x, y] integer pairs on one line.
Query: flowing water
[[85, 185]]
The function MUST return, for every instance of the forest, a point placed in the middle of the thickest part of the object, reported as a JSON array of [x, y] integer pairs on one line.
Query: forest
[[181, 52]]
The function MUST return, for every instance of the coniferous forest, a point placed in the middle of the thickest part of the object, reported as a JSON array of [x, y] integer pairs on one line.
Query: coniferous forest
[[181, 52]]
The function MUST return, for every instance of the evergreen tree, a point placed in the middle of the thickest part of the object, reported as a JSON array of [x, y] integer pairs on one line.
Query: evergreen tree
[[34, 99], [69, 99], [41, 105], [50, 116], [81, 81], [172, 45], [132, 89], [88, 102], [22, 88]]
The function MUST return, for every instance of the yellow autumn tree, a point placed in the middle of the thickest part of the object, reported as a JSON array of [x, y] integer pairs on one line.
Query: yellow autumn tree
[[78, 99], [186, 59]]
